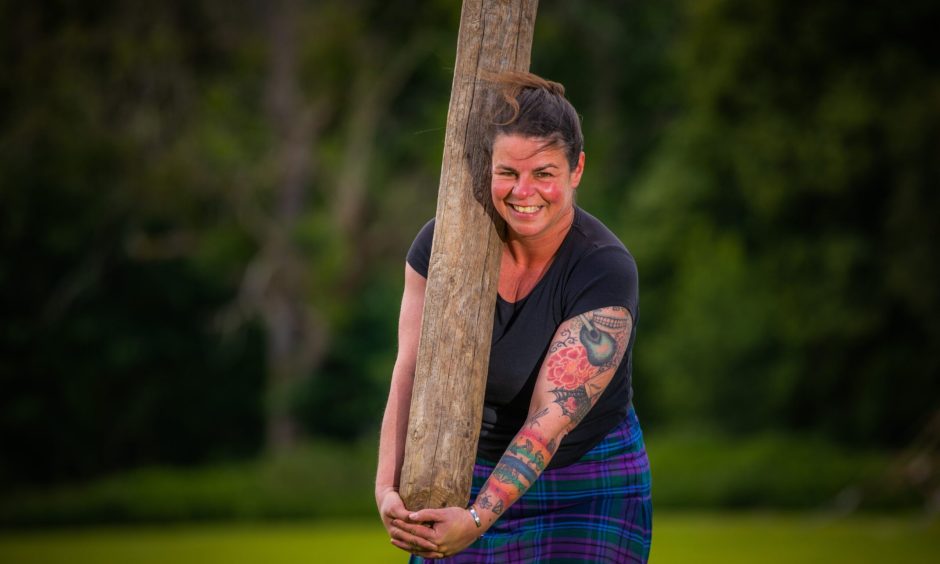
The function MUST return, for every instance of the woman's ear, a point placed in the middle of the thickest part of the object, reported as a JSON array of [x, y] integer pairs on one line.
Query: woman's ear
[[578, 171]]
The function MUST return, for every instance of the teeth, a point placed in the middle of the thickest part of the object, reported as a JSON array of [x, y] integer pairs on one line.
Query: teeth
[[526, 209]]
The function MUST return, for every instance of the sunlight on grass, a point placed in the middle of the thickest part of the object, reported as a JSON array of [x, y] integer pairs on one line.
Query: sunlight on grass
[[732, 538], [271, 543], [678, 538]]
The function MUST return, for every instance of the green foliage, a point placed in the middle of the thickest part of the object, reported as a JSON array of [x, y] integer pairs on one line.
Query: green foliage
[[331, 480], [774, 224], [614, 60], [702, 469], [348, 396], [771, 165], [317, 481]]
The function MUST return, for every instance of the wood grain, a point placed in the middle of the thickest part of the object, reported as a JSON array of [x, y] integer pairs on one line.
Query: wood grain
[[457, 324]]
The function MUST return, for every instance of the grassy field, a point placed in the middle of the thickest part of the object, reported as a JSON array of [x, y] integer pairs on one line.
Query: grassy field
[[678, 537]]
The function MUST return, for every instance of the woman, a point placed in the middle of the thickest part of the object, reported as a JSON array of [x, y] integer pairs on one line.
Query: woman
[[561, 470]]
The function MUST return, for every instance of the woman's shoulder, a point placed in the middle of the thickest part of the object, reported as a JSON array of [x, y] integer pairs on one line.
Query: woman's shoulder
[[591, 237], [419, 255]]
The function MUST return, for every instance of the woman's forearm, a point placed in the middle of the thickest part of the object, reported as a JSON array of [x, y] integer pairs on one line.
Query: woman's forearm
[[392, 437], [395, 420], [523, 462]]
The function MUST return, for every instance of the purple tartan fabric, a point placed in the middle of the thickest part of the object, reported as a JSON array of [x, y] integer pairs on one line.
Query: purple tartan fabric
[[596, 510]]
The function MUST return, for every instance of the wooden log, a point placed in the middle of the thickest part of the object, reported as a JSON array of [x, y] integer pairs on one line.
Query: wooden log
[[457, 324]]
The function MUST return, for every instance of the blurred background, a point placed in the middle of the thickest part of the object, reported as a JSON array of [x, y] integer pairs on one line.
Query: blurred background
[[205, 207]]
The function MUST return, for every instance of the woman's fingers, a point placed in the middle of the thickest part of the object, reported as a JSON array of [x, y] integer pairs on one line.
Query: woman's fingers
[[428, 515], [415, 536], [416, 529], [393, 507], [417, 551]]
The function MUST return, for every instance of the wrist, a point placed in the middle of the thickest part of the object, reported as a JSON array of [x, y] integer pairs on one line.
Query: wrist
[[382, 491], [475, 516]]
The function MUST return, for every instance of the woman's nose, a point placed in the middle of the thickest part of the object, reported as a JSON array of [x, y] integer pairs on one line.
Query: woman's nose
[[523, 188]]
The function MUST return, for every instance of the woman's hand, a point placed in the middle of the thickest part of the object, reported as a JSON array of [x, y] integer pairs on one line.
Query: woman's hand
[[450, 529], [392, 510]]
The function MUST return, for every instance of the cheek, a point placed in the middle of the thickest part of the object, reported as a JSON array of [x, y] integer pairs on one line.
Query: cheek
[[500, 188], [552, 193]]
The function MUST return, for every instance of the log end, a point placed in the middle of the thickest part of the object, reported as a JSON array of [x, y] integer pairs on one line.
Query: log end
[[434, 497]]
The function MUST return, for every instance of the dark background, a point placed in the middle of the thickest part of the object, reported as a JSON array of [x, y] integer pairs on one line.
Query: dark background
[[205, 207]]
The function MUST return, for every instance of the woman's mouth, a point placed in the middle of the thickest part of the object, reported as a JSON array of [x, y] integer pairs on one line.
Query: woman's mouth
[[525, 209]]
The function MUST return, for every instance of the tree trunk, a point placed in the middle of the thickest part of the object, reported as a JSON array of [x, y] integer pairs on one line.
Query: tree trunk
[[294, 340], [453, 353]]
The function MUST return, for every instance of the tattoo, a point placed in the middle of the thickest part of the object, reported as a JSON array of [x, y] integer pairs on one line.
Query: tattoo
[[565, 339], [523, 462], [513, 471], [572, 363], [599, 345], [492, 490], [527, 451], [533, 420], [551, 446], [579, 364], [574, 404]]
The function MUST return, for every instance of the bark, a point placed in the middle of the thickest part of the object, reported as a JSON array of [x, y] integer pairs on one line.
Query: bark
[[453, 354]]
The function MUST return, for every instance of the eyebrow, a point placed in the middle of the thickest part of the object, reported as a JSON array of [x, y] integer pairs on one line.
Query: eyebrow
[[536, 169]]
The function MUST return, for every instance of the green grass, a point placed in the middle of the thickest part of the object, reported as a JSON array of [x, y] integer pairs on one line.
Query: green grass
[[732, 538], [678, 538]]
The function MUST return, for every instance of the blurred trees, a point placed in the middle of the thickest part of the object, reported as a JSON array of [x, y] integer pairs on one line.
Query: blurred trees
[[195, 199], [154, 234], [108, 355], [788, 227]]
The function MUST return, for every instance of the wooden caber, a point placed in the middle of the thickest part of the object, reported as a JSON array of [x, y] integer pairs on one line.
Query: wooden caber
[[457, 324]]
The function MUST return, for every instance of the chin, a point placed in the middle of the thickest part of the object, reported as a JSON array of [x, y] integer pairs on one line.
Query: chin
[[525, 229]]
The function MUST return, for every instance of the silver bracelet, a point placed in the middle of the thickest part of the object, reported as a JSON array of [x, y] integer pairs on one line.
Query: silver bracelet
[[476, 518]]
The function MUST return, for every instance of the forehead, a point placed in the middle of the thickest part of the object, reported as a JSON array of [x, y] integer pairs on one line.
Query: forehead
[[518, 149]]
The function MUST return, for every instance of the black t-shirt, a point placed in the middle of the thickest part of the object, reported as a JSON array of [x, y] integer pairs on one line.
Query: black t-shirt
[[592, 269]]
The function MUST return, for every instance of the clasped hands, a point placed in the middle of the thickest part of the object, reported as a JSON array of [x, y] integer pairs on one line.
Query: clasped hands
[[429, 533]]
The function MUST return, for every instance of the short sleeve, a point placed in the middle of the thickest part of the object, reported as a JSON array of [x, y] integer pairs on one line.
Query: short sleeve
[[605, 277], [419, 255]]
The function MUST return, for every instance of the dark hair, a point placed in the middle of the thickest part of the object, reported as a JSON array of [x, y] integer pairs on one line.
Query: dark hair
[[534, 107]]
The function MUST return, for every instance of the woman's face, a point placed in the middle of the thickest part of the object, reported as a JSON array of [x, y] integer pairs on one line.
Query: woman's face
[[533, 186]]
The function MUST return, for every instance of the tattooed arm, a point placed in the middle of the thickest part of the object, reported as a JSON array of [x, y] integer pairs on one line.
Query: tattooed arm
[[580, 363]]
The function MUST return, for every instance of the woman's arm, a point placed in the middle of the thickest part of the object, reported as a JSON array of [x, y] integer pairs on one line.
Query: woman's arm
[[579, 365], [395, 421]]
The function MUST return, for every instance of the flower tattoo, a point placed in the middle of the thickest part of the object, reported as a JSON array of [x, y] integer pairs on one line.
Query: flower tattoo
[[569, 367]]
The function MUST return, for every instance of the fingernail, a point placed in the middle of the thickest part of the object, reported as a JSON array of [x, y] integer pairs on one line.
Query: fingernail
[[413, 516]]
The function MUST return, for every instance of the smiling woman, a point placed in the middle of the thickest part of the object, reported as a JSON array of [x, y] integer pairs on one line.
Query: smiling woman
[[561, 470], [533, 188]]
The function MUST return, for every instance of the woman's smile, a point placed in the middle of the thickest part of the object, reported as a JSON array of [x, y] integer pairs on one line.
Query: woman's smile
[[526, 210], [533, 186]]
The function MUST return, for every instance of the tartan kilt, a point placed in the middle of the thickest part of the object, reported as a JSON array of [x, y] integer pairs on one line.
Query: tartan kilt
[[598, 509]]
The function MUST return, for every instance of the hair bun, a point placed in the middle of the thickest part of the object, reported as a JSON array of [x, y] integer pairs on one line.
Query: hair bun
[[535, 107]]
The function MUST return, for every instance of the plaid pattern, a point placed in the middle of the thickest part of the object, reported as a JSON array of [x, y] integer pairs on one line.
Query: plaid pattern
[[596, 510]]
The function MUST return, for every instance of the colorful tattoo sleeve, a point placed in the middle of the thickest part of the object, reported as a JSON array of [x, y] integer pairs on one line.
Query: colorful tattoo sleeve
[[581, 360], [579, 365]]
